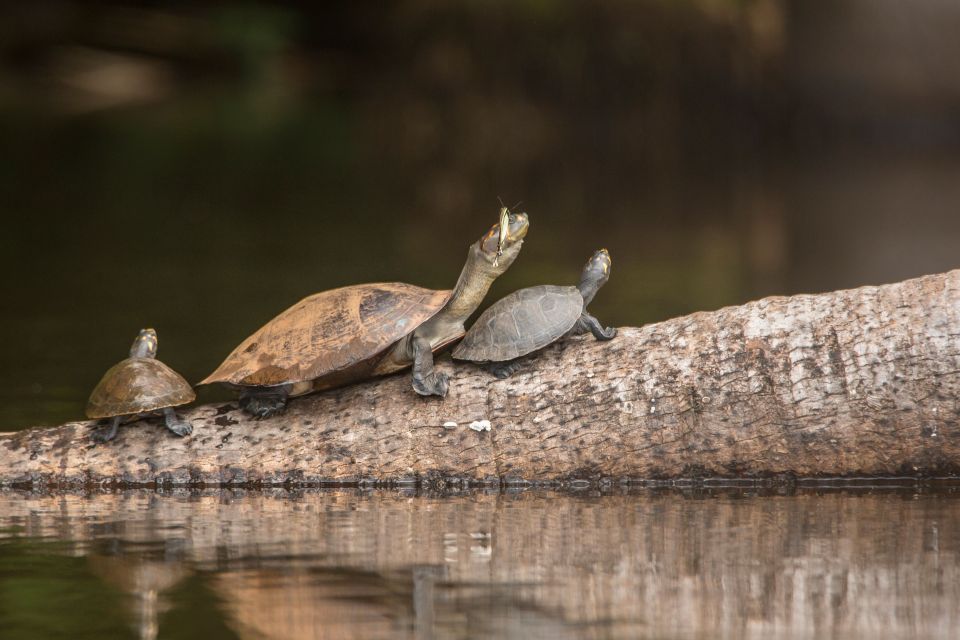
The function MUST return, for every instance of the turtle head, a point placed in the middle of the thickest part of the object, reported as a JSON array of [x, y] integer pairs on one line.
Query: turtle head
[[595, 274], [145, 346], [500, 246], [487, 259]]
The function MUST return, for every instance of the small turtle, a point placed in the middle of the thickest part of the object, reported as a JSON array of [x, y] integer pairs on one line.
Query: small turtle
[[138, 385], [530, 319], [338, 337]]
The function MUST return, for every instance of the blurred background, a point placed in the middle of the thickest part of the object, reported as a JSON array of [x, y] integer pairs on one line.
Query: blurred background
[[198, 167]]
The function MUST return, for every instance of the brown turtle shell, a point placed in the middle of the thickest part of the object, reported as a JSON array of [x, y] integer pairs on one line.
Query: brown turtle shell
[[138, 385], [521, 323], [331, 335]]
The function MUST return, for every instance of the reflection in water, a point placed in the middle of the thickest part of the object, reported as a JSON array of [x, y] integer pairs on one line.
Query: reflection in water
[[349, 564], [319, 604], [145, 580]]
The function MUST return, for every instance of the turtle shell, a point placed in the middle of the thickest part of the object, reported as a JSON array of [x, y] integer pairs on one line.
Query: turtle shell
[[521, 323], [138, 385], [333, 334]]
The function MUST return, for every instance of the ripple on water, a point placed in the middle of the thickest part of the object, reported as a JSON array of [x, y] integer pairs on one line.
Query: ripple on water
[[852, 563]]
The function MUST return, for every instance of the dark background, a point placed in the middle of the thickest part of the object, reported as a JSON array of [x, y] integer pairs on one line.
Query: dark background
[[197, 167]]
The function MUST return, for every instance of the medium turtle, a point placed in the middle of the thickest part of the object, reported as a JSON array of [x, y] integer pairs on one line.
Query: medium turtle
[[138, 385], [337, 337], [530, 319]]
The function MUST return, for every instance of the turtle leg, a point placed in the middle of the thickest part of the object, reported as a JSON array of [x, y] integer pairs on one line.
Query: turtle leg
[[264, 403], [426, 381], [110, 435], [504, 369], [579, 328], [591, 324], [176, 424]]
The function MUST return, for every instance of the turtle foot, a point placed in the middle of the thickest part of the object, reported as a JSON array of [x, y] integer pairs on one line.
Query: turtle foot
[[591, 324], [503, 370], [103, 436], [106, 436], [176, 424], [181, 428], [263, 406], [434, 384]]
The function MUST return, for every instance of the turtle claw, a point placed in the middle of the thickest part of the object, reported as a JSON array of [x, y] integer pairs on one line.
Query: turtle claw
[[609, 333], [262, 412], [263, 406], [503, 370], [434, 384], [175, 424], [181, 428]]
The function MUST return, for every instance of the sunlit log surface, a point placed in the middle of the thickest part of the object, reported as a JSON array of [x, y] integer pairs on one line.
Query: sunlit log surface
[[863, 381], [627, 564]]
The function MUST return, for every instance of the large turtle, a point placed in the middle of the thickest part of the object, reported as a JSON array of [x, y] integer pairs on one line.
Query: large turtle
[[530, 319], [140, 384], [341, 336]]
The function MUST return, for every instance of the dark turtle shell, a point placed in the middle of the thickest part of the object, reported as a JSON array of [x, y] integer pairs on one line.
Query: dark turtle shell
[[521, 323], [330, 337], [138, 385]]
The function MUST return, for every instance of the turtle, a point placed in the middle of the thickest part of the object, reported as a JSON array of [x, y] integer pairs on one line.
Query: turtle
[[138, 385], [530, 319], [345, 335]]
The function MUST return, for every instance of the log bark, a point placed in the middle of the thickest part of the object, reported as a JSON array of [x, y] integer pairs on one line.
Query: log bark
[[855, 382]]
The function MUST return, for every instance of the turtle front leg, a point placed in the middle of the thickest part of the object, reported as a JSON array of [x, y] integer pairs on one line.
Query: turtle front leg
[[111, 434], [264, 403], [591, 324], [426, 381], [176, 424]]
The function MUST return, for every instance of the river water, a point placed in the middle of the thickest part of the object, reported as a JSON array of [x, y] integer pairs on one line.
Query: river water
[[642, 563]]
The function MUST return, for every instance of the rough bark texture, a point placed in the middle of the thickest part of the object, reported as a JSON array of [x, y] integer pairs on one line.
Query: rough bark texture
[[864, 381]]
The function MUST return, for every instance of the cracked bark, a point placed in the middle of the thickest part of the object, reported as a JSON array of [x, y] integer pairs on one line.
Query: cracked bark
[[856, 382]]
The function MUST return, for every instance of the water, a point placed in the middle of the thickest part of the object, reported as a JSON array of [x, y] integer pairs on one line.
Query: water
[[118, 235], [866, 563]]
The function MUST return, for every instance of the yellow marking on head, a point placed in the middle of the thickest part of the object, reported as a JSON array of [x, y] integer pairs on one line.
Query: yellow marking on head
[[504, 228]]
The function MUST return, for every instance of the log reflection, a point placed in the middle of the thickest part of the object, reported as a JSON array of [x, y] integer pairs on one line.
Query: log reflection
[[352, 565]]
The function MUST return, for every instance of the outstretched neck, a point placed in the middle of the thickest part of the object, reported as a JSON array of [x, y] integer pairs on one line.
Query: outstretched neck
[[447, 325], [588, 287], [141, 351], [478, 274], [471, 288], [144, 347]]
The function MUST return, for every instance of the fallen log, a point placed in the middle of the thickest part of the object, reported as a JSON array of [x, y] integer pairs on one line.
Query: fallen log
[[855, 382]]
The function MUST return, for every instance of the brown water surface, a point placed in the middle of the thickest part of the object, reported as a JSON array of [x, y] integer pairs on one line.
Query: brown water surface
[[866, 563]]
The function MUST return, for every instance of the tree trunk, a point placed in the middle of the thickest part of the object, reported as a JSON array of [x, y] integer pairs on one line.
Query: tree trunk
[[858, 382]]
